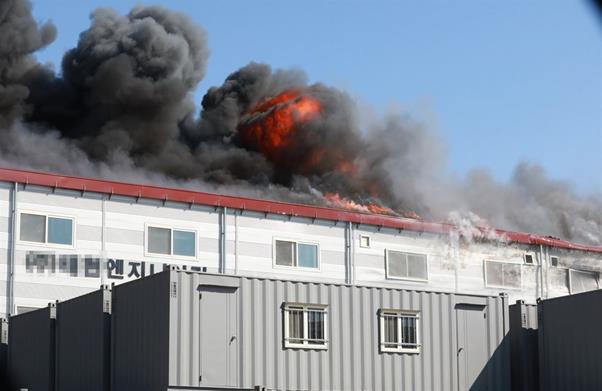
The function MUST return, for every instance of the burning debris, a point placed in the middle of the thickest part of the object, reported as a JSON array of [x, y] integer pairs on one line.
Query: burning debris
[[122, 108]]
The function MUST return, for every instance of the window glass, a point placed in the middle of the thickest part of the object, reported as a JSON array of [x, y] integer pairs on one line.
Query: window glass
[[60, 231], [399, 332], [295, 325], [390, 330], [159, 240], [417, 266], [398, 266], [308, 255], [506, 275], [33, 228], [285, 253], [583, 281], [184, 243], [315, 327], [494, 273]]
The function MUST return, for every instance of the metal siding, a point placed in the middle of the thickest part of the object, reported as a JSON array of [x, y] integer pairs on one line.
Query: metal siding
[[140, 334], [82, 343], [352, 361], [31, 350], [524, 346], [569, 342]]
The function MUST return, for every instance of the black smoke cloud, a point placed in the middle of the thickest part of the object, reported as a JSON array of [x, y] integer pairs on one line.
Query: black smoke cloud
[[122, 108]]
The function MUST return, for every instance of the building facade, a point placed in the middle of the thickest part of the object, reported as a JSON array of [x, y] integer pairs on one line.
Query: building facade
[[61, 237]]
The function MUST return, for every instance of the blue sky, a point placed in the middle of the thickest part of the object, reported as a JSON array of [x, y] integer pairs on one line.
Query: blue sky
[[501, 81]]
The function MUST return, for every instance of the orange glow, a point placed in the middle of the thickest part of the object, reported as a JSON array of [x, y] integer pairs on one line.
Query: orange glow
[[342, 202], [273, 130]]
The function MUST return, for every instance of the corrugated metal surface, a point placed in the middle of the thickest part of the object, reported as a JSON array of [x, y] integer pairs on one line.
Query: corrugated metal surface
[[83, 342], [31, 349], [3, 353], [524, 350], [569, 342], [140, 334], [352, 360]]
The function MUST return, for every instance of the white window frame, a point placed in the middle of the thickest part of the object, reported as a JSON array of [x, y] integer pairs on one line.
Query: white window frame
[[570, 271], [369, 241], [488, 285], [557, 261], [296, 260], [390, 277], [399, 314], [305, 308], [46, 243], [171, 229]]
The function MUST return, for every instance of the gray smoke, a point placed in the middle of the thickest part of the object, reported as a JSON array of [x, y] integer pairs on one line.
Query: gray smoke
[[122, 108]]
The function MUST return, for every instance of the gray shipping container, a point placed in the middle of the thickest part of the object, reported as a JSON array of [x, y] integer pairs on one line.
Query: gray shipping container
[[524, 351], [83, 326], [31, 347], [195, 330], [570, 346]]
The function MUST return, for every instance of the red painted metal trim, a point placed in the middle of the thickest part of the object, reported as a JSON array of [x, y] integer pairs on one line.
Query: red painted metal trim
[[285, 208]]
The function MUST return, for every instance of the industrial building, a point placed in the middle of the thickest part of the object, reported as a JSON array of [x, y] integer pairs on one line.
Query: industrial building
[[240, 292], [61, 237]]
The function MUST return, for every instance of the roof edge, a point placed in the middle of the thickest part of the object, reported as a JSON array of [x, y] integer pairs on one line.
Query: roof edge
[[277, 207]]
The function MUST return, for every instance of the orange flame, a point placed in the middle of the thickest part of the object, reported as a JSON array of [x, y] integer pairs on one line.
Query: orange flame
[[271, 133], [342, 202]]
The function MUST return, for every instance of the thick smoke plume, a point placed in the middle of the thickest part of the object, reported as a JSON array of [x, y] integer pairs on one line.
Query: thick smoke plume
[[121, 107]]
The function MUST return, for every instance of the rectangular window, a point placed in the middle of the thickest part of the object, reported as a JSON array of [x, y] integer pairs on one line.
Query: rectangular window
[[365, 241], [529, 260], [503, 275], [305, 326], [399, 331], [296, 254], [46, 229], [582, 281], [168, 241], [406, 265], [554, 261]]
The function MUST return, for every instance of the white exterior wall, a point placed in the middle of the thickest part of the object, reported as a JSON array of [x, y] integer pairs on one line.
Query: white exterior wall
[[112, 230], [5, 193]]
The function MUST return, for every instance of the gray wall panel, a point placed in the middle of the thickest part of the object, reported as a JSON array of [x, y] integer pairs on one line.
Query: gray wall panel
[[140, 334], [83, 342], [353, 360], [4, 224], [31, 350], [570, 343]]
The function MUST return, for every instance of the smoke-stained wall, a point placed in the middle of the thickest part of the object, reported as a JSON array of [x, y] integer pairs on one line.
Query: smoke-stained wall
[[121, 107]]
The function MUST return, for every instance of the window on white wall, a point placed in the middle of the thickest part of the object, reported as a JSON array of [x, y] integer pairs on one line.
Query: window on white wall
[[399, 331], [554, 261], [365, 241], [582, 281], [296, 254], [503, 275], [305, 326], [169, 241], [405, 265], [39, 228]]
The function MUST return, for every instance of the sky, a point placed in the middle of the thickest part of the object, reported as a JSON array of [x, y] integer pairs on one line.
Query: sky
[[501, 82]]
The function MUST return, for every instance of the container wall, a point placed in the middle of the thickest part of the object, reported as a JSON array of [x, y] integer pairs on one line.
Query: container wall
[[353, 360], [32, 349], [524, 346], [140, 334], [570, 343], [3, 353], [83, 342]]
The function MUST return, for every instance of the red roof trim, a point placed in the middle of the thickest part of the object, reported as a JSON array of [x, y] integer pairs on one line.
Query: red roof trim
[[195, 197]]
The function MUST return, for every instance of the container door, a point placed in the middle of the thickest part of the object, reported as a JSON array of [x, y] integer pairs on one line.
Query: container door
[[218, 339], [472, 346]]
